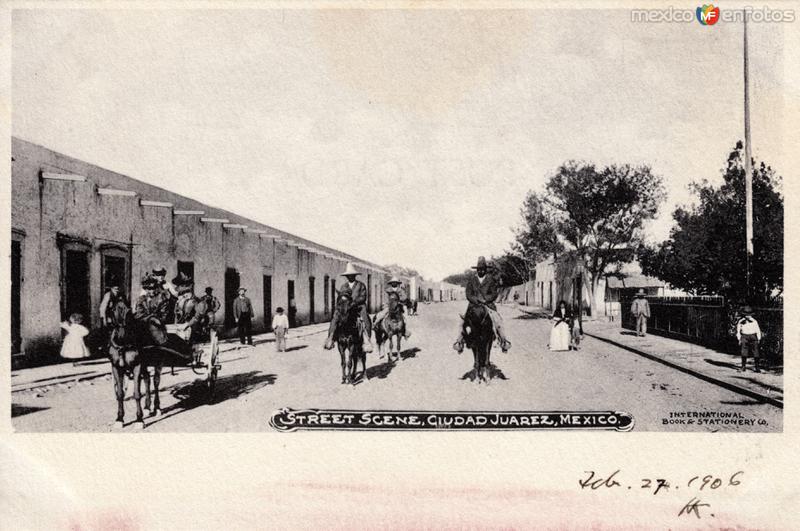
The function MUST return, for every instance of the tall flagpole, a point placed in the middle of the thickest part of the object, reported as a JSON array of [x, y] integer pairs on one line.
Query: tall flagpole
[[748, 169]]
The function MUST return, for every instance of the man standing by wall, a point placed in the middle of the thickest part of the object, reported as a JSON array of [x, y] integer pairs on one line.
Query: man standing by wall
[[641, 313], [243, 315]]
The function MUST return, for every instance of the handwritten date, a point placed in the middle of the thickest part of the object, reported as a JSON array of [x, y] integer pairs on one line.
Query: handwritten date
[[708, 482]]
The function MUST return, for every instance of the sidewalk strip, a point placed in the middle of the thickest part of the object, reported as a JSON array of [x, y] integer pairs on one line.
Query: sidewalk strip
[[722, 383]]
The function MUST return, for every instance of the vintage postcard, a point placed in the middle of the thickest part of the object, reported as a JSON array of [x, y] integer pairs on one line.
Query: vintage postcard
[[536, 232]]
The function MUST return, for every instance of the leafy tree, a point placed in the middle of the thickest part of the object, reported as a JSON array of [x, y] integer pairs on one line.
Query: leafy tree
[[706, 251], [459, 279], [594, 214], [512, 268], [537, 236]]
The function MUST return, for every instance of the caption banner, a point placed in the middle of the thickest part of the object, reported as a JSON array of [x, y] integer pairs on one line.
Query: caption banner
[[341, 419]]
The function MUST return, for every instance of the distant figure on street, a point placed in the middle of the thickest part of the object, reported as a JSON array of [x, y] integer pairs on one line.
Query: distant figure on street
[[641, 312], [73, 346], [280, 325], [482, 290], [560, 333], [243, 315], [749, 334]]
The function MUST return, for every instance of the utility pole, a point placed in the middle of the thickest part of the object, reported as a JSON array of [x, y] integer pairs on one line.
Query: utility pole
[[748, 169]]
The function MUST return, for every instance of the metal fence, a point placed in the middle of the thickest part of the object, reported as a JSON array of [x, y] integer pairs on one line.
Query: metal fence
[[708, 321]]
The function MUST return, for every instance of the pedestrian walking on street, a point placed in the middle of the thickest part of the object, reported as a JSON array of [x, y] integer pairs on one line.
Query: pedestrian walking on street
[[641, 313], [243, 315], [280, 325], [73, 346], [749, 334]]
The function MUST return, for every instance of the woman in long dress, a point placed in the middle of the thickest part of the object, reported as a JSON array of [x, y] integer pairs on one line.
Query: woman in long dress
[[560, 333]]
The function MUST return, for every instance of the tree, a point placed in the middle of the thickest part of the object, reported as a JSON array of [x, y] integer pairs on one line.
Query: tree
[[706, 250], [513, 269], [459, 279], [594, 214], [537, 236]]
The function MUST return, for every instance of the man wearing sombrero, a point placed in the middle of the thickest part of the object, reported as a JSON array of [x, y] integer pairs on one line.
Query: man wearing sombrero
[[358, 292], [482, 290], [394, 289]]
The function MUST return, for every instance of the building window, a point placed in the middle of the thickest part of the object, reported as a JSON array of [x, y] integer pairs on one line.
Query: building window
[[187, 268]]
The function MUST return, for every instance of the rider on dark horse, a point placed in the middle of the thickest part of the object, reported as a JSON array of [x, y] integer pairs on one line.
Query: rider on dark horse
[[482, 290], [358, 292], [394, 291]]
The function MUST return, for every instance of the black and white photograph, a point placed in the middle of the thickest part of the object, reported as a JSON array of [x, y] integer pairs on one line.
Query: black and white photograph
[[219, 215], [444, 219]]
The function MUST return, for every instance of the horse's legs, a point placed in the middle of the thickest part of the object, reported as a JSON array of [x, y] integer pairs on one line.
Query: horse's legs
[[156, 384], [119, 391], [363, 357], [146, 379], [399, 347], [343, 356], [137, 393]]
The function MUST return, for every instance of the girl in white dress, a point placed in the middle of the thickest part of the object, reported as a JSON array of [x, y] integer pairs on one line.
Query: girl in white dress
[[73, 346], [560, 333]]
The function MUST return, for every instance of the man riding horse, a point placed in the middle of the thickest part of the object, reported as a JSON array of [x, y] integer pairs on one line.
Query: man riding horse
[[394, 291], [482, 290], [358, 291]]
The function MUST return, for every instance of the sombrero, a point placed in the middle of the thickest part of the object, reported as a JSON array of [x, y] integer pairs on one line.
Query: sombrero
[[350, 270], [481, 263]]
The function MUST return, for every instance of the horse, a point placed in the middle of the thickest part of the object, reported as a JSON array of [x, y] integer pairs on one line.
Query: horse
[[130, 355], [479, 336], [124, 350], [393, 325], [349, 338], [412, 307]]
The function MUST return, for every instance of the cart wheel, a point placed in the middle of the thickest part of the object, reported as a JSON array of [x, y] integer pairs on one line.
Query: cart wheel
[[214, 347], [211, 382]]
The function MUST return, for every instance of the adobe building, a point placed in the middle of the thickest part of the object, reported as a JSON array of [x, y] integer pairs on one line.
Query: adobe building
[[74, 225]]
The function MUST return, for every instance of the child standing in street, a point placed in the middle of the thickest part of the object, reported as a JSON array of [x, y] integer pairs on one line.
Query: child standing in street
[[749, 334], [280, 325], [73, 346]]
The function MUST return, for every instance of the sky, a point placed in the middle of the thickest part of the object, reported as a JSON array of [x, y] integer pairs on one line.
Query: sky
[[399, 136]]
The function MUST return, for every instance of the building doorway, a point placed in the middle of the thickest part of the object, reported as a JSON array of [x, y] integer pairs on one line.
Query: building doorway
[[16, 296], [267, 291], [326, 296], [114, 267], [369, 293], [311, 282], [231, 292], [75, 293], [291, 305]]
